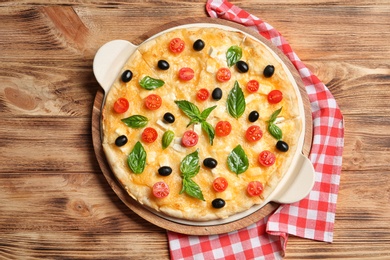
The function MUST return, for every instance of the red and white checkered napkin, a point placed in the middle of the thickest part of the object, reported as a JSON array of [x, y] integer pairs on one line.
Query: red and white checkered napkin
[[313, 217]]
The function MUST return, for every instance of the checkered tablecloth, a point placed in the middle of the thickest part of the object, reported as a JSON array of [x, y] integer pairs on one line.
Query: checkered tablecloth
[[314, 216]]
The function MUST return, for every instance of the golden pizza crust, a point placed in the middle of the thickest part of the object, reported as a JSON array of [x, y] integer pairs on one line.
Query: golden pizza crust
[[205, 63]]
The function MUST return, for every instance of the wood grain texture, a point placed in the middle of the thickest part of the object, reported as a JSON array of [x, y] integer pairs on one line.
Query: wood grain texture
[[54, 200]]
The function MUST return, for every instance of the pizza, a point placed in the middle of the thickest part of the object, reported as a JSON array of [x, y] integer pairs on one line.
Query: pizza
[[201, 123]]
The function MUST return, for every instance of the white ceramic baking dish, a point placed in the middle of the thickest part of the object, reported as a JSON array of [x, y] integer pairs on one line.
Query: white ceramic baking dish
[[297, 181]]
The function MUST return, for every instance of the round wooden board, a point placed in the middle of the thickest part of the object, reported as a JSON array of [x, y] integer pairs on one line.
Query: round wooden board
[[146, 213]]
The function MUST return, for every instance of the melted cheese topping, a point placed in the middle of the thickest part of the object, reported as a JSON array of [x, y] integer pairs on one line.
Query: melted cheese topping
[[205, 63]]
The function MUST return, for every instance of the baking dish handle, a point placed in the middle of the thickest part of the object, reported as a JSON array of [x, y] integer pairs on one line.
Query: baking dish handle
[[109, 60], [300, 184]]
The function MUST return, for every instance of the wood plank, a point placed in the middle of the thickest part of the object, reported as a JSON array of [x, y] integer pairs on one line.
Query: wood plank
[[351, 27], [65, 202], [44, 32], [368, 140], [49, 88], [47, 144], [194, 4], [38, 36], [71, 215], [82, 245], [346, 248], [357, 77]]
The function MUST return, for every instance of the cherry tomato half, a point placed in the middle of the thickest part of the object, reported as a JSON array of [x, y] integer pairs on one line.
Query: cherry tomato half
[[202, 94], [149, 135], [252, 86], [121, 105], [275, 96], [253, 133], [153, 102], [223, 74], [176, 45], [223, 128], [267, 158], [186, 73], [190, 138], [220, 184], [160, 189], [255, 188]]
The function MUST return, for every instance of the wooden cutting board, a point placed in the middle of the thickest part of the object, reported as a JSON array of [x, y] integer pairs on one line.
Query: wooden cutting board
[[149, 215]]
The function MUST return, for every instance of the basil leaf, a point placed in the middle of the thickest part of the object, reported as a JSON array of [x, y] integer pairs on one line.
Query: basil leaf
[[167, 138], [150, 83], [136, 121], [275, 131], [192, 189], [233, 54], [191, 110], [274, 115], [236, 101], [137, 158], [208, 128], [237, 160], [189, 166], [205, 113]]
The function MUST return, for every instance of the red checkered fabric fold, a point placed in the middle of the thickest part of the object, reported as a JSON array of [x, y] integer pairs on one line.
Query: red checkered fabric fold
[[314, 216]]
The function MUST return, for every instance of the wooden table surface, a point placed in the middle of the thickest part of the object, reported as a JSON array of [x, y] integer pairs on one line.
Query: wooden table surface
[[54, 199]]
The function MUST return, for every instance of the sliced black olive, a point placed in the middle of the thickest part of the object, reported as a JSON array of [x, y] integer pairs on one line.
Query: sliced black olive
[[269, 71], [253, 116], [169, 117], [218, 203], [163, 64], [165, 170], [282, 146], [198, 45], [242, 66], [210, 163], [121, 140], [127, 75], [217, 94]]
